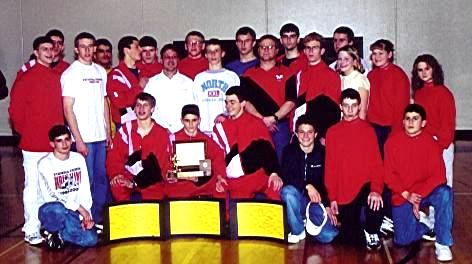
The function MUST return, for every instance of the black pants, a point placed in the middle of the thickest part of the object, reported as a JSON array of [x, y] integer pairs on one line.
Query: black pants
[[352, 228]]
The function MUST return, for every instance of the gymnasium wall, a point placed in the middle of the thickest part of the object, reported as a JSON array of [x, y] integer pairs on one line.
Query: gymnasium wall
[[438, 27]]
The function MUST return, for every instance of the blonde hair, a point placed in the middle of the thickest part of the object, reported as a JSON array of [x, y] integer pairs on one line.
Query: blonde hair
[[352, 51]]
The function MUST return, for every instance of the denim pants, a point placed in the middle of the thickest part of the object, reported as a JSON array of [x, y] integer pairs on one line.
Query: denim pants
[[55, 217], [281, 138], [296, 203], [99, 185], [408, 229]]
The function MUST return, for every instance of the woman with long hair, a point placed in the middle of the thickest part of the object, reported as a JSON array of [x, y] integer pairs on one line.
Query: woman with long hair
[[427, 82], [351, 70]]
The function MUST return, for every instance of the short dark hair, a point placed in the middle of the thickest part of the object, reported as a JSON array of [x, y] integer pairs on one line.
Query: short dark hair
[[305, 120], [125, 42], [214, 41], [347, 31], [238, 91], [194, 33], [190, 109], [146, 97], [271, 37], [55, 33], [83, 35], [350, 94], [104, 42], [168, 46], [40, 40], [438, 74], [415, 108], [148, 41], [314, 36], [289, 27], [57, 131], [383, 44], [245, 31]]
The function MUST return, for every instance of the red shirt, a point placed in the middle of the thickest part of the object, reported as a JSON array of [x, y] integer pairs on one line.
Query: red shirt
[[320, 79], [440, 108], [296, 65], [127, 141], [191, 67], [149, 70], [122, 89], [413, 164], [36, 106], [389, 95], [352, 160]]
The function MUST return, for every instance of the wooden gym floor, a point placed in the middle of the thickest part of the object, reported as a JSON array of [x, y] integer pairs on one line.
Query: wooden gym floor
[[202, 250]]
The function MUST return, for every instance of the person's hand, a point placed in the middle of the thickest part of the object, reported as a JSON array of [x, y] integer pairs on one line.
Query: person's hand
[[275, 181], [120, 180], [314, 195], [374, 200], [81, 148], [221, 183], [220, 118], [270, 123], [415, 200], [332, 217], [87, 222], [334, 207]]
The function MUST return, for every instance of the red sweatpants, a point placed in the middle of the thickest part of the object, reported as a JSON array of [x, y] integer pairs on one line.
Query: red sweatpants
[[246, 187]]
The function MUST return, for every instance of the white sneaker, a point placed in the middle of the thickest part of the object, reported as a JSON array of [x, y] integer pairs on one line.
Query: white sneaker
[[372, 241], [387, 226], [443, 253], [425, 220], [293, 239], [34, 239]]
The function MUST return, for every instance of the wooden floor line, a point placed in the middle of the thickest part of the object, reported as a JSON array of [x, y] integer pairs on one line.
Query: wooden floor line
[[11, 248], [387, 252]]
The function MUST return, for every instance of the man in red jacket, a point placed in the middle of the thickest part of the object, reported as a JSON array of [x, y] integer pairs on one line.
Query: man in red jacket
[[35, 107], [195, 62], [354, 173], [149, 64], [414, 170], [203, 186], [139, 157], [124, 84]]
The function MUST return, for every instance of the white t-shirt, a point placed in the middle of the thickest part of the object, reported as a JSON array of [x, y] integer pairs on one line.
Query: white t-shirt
[[171, 95], [209, 89], [87, 85], [355, 80], [64, 181]]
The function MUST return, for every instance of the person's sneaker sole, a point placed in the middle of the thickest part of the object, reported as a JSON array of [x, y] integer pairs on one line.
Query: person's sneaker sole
[[430, 236]]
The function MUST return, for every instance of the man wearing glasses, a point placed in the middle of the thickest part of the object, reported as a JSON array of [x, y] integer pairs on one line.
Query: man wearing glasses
[[195, 62]]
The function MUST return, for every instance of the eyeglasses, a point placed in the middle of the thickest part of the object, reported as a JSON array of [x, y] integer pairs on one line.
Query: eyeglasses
[[194, 42]]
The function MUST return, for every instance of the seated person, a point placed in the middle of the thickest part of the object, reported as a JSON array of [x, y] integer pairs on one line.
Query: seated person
[[416, 174], [202, 186], [354, 174], [64, 193], [302, 173], [139, 157], [251, 162]]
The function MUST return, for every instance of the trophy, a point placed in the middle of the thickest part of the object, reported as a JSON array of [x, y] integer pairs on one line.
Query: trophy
[[189, 161]]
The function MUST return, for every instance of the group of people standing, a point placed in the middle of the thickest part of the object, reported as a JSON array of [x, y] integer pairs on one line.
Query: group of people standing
[[345, 146]]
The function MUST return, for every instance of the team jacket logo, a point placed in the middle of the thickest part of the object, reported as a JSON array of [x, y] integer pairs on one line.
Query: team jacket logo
[[279, 77], [67, 181]]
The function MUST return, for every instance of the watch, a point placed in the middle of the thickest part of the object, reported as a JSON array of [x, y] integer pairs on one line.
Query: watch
[[276, 117]]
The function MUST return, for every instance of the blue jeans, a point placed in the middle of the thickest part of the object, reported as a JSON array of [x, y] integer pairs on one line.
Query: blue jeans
[[55, 217], [408, 229], [296, 203], [99, 185], [281, 138]]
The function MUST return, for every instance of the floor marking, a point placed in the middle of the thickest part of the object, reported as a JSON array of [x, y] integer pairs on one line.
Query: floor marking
[[387, 251], [11, 248]]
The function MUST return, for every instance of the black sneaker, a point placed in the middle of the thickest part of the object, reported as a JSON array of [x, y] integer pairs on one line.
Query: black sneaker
[[430, 235], [372, 241], [55, 241]]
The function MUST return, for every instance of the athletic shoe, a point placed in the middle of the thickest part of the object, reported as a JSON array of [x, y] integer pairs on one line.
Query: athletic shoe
[[34, 239], [443, 253], [99, 229], [425, 220], [55, 241], [387, 227], [293, 239], [430, 235], [372, 241]]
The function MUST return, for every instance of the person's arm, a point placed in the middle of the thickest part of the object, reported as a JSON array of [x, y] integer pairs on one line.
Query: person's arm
[[285, 109], [107, 121], [71, 119], [364, 102]]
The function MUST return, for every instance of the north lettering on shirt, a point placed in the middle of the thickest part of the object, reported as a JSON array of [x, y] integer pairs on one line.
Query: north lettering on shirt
[[68, 181], [215, 84]]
